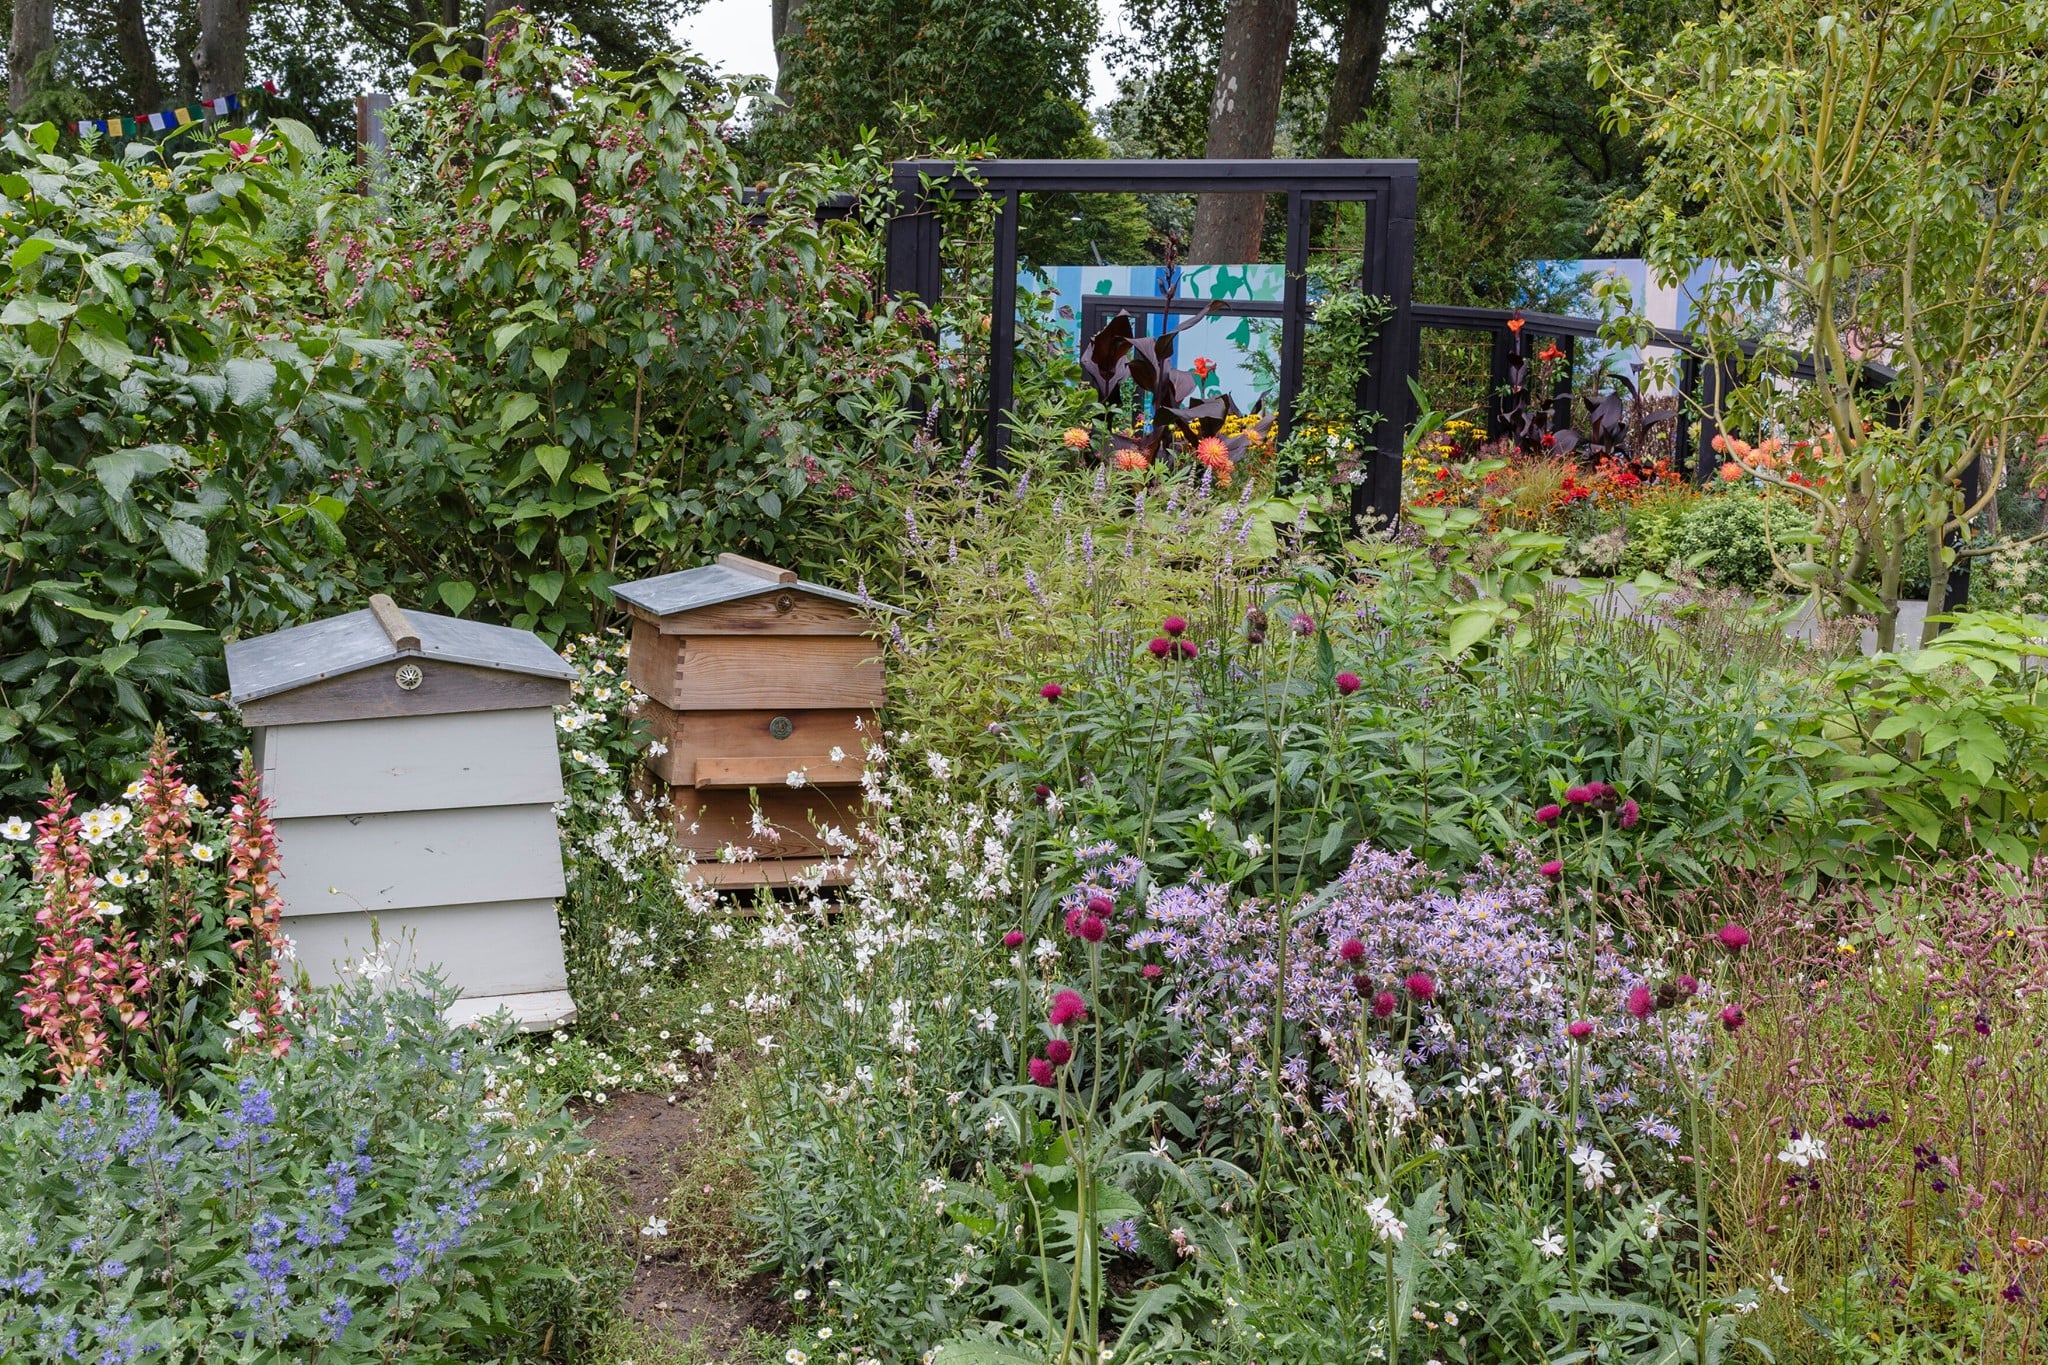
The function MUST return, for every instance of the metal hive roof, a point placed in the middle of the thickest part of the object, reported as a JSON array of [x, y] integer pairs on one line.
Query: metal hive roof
[[711, 584], [293, 658]]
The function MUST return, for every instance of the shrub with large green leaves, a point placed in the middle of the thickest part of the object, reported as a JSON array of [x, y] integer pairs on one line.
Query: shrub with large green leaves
[[624, 359], [167, 446]]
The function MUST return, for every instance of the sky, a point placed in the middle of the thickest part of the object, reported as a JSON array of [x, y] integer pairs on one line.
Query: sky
[[736, 35]]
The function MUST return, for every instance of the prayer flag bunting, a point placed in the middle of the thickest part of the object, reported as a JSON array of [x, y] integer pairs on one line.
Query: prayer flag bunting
[[168, 119]]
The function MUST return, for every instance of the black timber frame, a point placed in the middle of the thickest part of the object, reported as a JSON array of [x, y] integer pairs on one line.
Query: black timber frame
[[1387, 188]]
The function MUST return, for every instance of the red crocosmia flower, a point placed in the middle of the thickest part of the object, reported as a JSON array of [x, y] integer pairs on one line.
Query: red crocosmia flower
[[1092, 929], [1304, 624], [1150, 971], [1640, 1002], [1347, 683], [1041, 1071], [1515, 324], [1052, 691], [1059, 1052], [1549, 815], [1732, 1017], [1688, 986], [1554, 870], [1042, 792], [1733, 937], [1203, 367], [1579, 1029], [1421, 985], [1631, 814], [1383, 1004], [1101, 905], [1160, 646], [1176, 626], [1351, 950], [1014, 939], [1067, 1008]]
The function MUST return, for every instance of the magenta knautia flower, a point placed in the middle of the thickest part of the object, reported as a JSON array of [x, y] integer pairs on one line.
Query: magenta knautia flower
[[1014, 939], [1059, 1052], [1042, 793], [1579, 1030], [1175, 626], [1631, 814], [1151, 971], [1041, 1071], [1552, 870], [1549, 815], [1092, 929], [1384, 1004], [1101, 906], [1351, 950], [1732, 1017], [1184, 649], [1347, 683], [1579, 796], [1304, 624], [1160, 646], [1733, 937], [1641, 1002], [1067, 1008], [1422, 986], [1688, 986], [1052, 691]]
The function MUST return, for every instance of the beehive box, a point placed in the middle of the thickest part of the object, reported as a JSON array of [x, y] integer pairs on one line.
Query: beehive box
[[411, 768], [752, 674]]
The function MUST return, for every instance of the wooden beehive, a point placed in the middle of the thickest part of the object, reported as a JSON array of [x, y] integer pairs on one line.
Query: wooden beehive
[[411, 768], [752, 674]]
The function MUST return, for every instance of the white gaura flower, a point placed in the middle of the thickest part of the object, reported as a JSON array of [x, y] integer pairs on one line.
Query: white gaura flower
[[246, 1024], [1805, 1150], [796, 778], [1385, 1221], [1778, 1283], [655, 1227], [1550, 1245], [1254, 846], [1595, 1169]]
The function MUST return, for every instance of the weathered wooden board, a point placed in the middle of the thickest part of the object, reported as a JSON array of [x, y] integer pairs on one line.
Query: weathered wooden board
[[334, 864], [374, 691], [811, 738], [508, 947], [775, 872], [783, 613], [401, 763], [707, 821], [737, 673], [713, 774]]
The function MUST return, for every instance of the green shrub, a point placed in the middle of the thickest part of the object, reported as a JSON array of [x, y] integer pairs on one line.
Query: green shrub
[[1730, 538]]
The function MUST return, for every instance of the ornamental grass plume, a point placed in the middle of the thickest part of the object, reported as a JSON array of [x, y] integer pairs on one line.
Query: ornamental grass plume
[[256, 908], [86, 971]]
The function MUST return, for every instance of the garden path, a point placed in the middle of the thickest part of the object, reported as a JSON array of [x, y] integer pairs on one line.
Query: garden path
[[1911, 613], [649, 1140]]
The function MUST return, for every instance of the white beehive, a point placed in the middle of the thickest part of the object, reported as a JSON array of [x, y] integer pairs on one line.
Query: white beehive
[[411, 767]]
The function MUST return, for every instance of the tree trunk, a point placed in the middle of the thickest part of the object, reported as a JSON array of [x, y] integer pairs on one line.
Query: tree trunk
[[145, 85], [221, 58], [32, 36], [1361, 44], [1243, 114], [786, 23]]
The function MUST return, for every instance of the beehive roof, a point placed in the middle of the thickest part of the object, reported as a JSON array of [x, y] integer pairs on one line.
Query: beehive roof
[[710, 584], [300, 655]]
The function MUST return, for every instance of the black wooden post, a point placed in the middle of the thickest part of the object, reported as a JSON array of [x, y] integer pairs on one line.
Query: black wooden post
[[1956, 595], [1681, 435], [1721, 380], [1561, 385], [1391, 363], [1293, 310], [1002, 360], [1497, 382]]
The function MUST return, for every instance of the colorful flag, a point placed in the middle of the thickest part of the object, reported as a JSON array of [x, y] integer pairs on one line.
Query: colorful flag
[[165, 120]]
